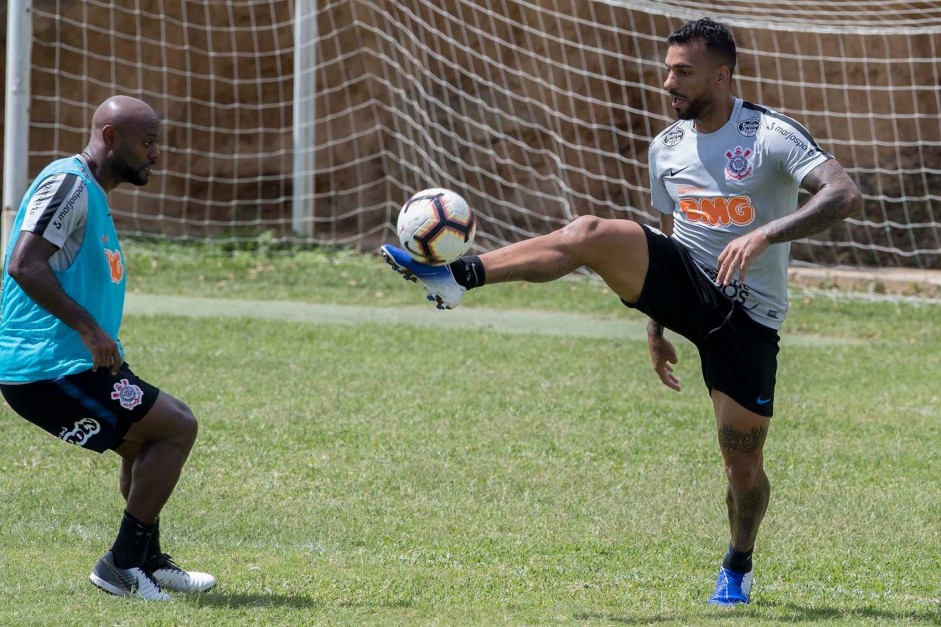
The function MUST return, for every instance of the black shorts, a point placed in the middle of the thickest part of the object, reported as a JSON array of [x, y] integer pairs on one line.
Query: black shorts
[[739, 355], [93, 410]]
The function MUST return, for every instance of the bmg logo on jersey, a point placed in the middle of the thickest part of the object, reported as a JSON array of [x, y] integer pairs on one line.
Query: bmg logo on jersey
[[80, 432], [718, 210]]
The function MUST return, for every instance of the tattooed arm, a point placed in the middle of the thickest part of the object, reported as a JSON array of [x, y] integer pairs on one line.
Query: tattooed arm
[[835, 197]]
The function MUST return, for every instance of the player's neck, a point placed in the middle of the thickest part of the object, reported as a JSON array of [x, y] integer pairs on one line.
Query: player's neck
[[95, 166], [716, 116]]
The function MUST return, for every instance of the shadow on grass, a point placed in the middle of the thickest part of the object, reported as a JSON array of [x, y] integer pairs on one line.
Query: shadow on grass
[[241, 601], [798, 613], [779, 613]]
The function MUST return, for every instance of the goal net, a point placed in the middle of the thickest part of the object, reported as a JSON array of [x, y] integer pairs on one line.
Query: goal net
[[312, 121]]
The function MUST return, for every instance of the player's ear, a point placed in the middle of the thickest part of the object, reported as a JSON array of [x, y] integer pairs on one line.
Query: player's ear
[[723, 75], [108, 135]]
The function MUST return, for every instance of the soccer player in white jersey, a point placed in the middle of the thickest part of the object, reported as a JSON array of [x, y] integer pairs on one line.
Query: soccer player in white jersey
[[725, 180], [61, 364]]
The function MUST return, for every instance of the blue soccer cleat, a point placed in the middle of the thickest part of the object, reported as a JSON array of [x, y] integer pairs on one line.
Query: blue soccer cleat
[[732, 588], [438, 281]]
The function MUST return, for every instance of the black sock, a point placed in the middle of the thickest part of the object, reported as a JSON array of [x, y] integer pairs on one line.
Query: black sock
[[131, 544], [737, 561], [153, 546], [468, 272]]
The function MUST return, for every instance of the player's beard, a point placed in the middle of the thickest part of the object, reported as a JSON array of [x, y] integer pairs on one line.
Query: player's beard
[[136, 177], [695, 107]]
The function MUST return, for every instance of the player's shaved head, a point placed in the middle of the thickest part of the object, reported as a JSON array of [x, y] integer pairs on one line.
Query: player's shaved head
[[123, 142], [122, 112]]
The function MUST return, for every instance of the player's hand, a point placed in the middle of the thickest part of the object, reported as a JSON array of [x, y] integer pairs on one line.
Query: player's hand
[[103, 349], [663, 356], [738, 256]]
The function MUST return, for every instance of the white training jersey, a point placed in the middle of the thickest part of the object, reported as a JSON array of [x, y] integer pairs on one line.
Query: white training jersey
[[719, 186]]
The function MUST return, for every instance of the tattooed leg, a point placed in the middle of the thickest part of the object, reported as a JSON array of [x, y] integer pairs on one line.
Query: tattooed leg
[[741, 436], [746, 509]]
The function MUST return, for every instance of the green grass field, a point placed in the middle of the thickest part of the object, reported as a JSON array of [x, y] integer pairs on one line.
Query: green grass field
[[366, 460]]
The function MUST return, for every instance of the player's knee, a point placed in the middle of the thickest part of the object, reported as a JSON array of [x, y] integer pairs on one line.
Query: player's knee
[[182, 426], [582, 232], [744, 468]]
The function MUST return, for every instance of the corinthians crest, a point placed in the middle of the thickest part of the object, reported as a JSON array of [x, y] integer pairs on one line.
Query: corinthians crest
[[739, 165], [128, 394]]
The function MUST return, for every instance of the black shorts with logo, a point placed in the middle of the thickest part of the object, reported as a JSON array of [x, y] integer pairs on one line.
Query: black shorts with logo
[[739, 355], [93, 410]]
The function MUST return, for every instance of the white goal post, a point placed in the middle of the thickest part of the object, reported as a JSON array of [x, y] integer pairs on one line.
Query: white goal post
[[311, 121]]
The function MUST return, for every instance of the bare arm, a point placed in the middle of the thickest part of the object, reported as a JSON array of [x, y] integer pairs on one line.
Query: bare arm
[[835, 198], [654, 328], [662, 352], [29, 267]]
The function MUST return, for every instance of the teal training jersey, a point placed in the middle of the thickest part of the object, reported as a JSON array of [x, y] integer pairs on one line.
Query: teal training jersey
[[66, 206], [722, 185]]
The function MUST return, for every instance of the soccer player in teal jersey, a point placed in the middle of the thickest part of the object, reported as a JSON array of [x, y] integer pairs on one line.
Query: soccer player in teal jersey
[[725, 179], [61, 364]]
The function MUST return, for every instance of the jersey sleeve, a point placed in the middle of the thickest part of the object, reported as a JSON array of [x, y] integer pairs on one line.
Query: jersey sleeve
[[795, 146], [57, 208]]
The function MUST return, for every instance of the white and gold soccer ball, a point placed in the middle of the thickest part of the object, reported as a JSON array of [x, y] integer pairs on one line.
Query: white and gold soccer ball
[[436, 226]]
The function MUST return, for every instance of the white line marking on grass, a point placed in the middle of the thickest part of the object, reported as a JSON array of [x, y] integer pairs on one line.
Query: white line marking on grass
[[501, 321]]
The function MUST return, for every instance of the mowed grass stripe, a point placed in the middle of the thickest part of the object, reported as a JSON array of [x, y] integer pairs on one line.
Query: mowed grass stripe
[[498, 320]]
